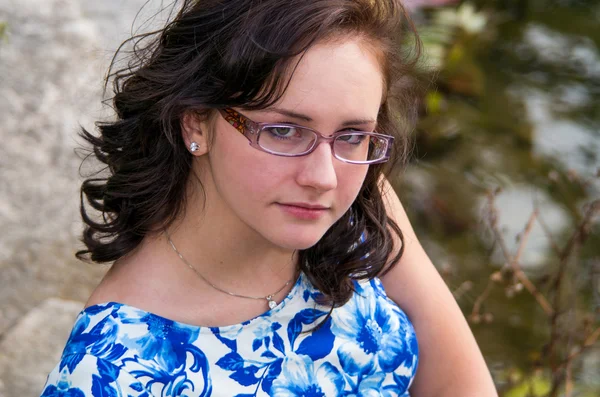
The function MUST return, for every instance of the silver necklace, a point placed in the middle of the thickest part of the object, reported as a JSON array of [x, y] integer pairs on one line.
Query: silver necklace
[[269, 298]]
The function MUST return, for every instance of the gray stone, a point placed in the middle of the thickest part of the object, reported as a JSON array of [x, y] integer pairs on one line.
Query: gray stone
[[33, 346], [52, 65], [50, 83]]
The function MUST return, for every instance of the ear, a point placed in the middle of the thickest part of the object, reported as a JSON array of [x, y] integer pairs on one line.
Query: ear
[[194, 129]]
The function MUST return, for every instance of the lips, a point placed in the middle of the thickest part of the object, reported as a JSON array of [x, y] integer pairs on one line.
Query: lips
[[307, 206], [304, 211]]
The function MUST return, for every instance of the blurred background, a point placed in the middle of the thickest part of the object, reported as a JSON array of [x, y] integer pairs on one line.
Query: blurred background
[[502, 190]]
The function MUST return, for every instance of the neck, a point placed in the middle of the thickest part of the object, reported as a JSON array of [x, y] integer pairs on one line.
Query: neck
[[227, 253]]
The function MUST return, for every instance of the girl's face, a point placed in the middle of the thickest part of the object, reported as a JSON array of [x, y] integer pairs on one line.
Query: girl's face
[[292, 201]]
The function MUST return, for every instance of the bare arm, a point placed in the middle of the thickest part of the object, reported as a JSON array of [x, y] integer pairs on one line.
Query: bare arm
[[450, 362]]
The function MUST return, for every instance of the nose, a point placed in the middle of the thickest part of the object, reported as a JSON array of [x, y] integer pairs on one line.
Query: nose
[[318, 170]]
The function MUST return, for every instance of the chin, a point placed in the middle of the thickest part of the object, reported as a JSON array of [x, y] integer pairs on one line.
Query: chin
[[297, 244], [296, 241]]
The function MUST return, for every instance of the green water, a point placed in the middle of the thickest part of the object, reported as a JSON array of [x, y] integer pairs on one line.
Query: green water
[[521, 111]]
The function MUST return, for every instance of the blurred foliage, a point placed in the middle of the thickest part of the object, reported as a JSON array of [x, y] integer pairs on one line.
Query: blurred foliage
[[514, 105], [3, 28], [536, 385]]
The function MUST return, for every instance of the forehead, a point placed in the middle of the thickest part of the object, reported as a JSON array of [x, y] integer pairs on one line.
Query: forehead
[[341, 77]]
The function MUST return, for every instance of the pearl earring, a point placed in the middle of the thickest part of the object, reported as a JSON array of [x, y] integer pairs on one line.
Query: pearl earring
[[194, 147]]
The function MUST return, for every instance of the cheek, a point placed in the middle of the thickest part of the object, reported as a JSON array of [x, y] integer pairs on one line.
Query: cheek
[[350, 180], [246, 173]]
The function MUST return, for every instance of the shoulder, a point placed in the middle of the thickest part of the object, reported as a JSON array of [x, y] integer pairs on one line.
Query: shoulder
[[370, 317], [371, 305], [116, 332], [99, 330], [366, 346], [116, 345]]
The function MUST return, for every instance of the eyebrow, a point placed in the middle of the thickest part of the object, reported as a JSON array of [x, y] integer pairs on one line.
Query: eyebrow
[[303, 117]]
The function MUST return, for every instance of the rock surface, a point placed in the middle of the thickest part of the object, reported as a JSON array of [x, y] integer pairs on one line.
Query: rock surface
[[52, 65], [35, 342]]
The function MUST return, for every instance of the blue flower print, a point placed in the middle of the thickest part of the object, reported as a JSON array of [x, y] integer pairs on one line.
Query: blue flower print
[[299, 378], [62, 390], [99, 339], [94, 377], [369, 329], [369, 386], [399, 388], [167, 357], [366, 347], [168, 342], [266, 333]]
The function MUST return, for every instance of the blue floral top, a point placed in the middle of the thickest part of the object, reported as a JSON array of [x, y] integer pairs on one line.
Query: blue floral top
[[366, 348]]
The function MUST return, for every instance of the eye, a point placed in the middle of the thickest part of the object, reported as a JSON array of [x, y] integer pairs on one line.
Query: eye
[[353, 139], [283, 131]]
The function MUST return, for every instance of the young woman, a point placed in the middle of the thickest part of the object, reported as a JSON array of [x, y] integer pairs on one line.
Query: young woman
[[245, 212]]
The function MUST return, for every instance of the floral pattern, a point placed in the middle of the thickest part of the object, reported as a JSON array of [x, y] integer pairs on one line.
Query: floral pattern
[[366, 347]]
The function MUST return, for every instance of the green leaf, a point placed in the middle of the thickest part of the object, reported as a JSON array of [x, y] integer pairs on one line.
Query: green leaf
[[535, 385]]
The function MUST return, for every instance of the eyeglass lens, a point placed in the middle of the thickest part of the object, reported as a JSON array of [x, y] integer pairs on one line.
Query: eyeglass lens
[[290, 140]]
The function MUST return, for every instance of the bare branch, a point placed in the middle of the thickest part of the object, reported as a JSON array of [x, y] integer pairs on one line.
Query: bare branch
[[591, 339], [513, 261], [524, 237], [478, 302], [575, 239], [464, 287]]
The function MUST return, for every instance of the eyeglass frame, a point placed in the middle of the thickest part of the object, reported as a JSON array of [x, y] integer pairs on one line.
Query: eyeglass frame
[[251, 130]]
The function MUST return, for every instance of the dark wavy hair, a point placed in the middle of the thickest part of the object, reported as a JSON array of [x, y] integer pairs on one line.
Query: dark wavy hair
[[230, 53]]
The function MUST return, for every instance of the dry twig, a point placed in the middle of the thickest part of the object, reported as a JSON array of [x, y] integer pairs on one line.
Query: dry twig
[[513, 261], [563, 371]]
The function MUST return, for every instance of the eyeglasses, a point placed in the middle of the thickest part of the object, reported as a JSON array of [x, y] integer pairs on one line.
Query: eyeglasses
[[290, 140]]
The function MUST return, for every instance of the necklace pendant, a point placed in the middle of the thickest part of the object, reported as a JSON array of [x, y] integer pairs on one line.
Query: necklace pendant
[[271, 302]]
